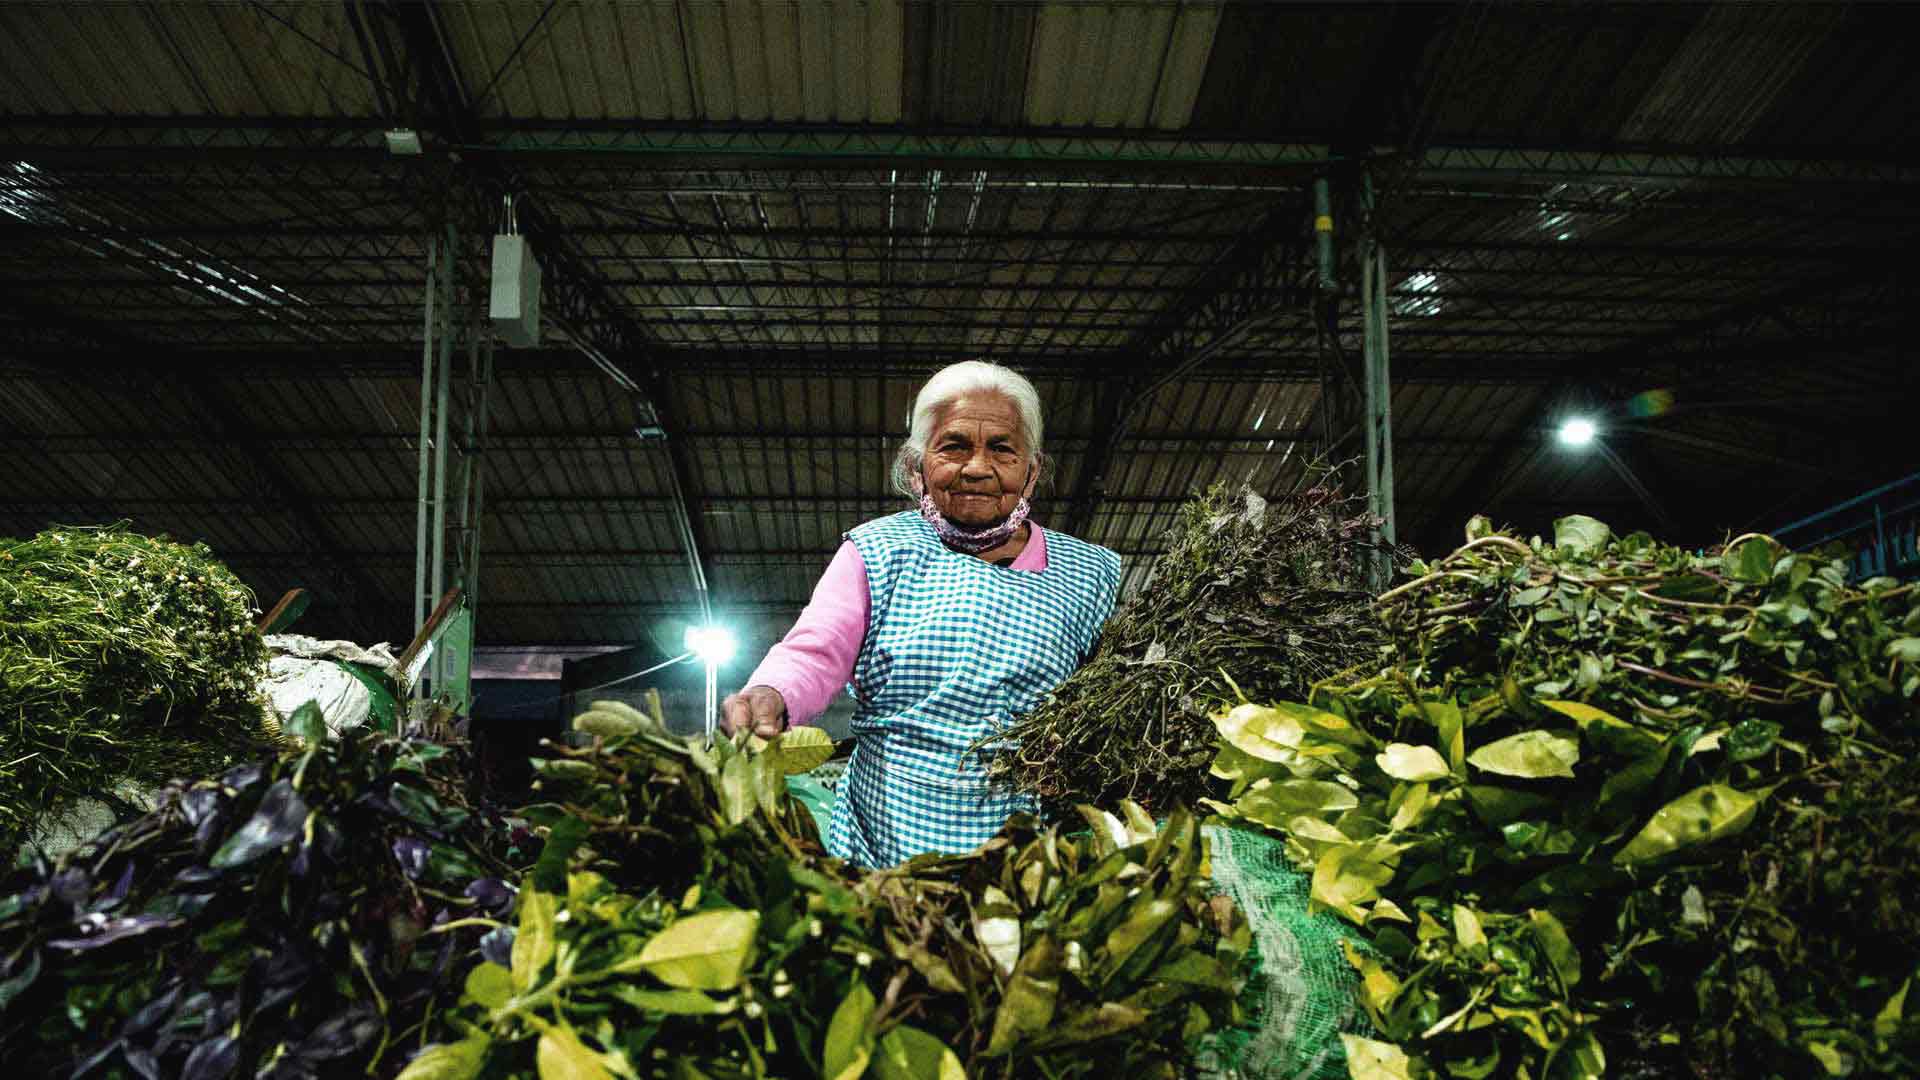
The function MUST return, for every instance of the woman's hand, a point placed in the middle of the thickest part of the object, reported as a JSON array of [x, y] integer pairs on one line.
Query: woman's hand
[[759, 709]]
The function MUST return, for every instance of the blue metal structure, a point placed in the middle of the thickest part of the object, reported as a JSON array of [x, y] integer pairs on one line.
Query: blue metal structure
[[1882, 527]]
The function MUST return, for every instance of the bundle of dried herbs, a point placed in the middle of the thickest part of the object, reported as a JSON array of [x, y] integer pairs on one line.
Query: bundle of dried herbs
[[684, 922], [1799, 950], [1612, 805], [289, 918], [1253, 596], [125, 661]]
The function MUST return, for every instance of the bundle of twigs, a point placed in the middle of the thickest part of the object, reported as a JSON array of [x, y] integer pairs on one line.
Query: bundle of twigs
[[122, 658], [1254, 596]]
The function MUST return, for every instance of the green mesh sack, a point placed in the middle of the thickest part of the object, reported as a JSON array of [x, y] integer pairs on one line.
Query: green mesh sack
[[1299, 995], [815, 795]]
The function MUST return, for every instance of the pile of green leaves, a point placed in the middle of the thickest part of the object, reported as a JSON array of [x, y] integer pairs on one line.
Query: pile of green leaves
[[1252, 596], [1601, 808], [122, 658], [289, 918], [1808, 939], [683, 921]]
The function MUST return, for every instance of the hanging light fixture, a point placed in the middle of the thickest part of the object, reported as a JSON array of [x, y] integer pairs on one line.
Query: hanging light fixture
[[712, 646], [1577, 431]]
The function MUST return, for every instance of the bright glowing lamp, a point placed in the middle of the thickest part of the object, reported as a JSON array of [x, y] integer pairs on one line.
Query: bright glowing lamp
[[712, 645], [1577, 431]]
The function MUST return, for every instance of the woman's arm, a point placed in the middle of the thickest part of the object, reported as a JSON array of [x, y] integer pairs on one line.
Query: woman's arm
[[810, 665]]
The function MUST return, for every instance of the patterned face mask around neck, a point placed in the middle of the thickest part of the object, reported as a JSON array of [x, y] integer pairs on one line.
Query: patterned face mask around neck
[[973, 541]]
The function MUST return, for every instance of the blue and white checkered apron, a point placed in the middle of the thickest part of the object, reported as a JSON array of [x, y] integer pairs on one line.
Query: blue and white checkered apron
[[954, 648]]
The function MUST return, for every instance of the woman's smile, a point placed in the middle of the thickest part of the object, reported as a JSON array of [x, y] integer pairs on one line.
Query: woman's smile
[[977, 439]]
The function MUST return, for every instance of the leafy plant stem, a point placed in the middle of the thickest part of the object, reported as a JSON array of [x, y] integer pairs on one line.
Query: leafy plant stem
[[1495, 541], [1424, 582], [471, 920]]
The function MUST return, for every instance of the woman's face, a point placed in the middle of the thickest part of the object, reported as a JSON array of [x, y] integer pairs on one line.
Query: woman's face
[[977, 465]]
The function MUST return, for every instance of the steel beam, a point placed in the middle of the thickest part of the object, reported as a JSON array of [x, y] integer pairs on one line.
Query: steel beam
[[1546, 309], [1377, 394], [1257, 282], [562, 226], [1630, 476], [382, 322], [473, 474], [95, 139], [581, 309], [574, 300], [1712, 327], [1744, 452], [227, 425], [534, 505], [1484, 488], [386, 442], [270, 242], [1656, 165], [228, 429], [1656, 357], [34, 350], [423, 597], [1545, 254], [1114, 401]]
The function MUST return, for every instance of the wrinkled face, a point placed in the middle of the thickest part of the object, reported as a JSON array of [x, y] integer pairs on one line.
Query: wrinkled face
[[977, 465]]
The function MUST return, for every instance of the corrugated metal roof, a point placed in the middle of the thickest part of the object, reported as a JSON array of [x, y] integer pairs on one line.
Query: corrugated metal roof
[[1728, 73], [1641, 73], [270, 59], [1118, 65], [796, 307], [831, 61]]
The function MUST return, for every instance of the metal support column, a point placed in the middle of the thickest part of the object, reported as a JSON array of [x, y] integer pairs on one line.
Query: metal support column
[[454, 675], [442, 395], [473, 477], [440, 332], [1378, 387], [1338, 387], [423, 599], [480, 473], [470, 411], [1323, 234]]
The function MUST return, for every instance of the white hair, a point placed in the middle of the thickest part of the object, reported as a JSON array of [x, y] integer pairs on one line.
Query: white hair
[[956, 381]]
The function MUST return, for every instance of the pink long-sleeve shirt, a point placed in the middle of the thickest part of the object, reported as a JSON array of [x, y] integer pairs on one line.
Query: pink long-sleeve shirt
[[811, 664]]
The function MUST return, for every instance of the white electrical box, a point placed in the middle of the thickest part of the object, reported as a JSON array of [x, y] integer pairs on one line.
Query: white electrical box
[[514, 304]]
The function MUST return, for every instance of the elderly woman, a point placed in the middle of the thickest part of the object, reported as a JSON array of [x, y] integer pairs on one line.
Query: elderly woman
[[944, 621]]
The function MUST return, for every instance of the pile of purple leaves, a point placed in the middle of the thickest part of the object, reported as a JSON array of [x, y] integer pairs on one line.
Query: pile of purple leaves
[[279, 921]]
